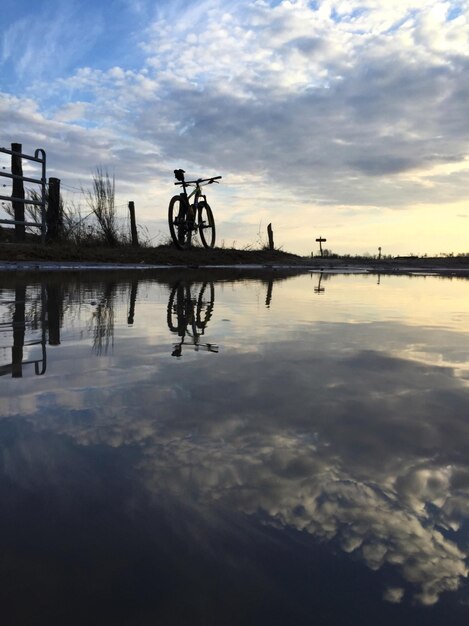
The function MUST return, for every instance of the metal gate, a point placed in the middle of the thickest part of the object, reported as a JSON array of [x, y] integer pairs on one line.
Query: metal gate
[[39, 157]]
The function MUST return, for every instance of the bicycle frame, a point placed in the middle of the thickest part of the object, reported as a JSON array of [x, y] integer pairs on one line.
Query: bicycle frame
[[187, 197], [190, 212]]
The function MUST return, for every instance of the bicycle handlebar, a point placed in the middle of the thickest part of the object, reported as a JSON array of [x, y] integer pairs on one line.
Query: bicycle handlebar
[[200, 180]]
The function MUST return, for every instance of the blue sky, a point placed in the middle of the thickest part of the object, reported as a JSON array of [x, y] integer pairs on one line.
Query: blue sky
[[344, 118]]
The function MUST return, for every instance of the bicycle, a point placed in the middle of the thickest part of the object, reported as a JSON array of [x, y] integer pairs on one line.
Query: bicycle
[[188, 315], [186, 219]]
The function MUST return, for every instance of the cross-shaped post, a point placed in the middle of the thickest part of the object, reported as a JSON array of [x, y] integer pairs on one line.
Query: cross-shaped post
[[319, 289], [320, 240]]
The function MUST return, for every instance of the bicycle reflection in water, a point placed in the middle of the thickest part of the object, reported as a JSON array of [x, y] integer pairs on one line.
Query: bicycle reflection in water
[[189, 314]]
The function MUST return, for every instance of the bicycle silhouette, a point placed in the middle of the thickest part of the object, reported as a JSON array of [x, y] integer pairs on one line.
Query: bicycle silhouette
[[190, 214], [188, 315]]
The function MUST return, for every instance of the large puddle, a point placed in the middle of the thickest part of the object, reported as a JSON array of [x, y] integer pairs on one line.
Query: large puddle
[[265, 450]]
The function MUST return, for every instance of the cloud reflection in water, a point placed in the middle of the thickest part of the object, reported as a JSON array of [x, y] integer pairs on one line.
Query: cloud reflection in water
[[328, 428]]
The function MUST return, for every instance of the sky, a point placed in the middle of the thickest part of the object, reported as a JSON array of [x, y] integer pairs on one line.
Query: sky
[[341, 118]]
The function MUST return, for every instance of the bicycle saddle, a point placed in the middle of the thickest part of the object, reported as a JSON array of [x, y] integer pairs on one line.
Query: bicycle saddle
[[179, 175]]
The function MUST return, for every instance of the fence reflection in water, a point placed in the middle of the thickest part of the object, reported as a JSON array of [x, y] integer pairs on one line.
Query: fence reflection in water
[[23, 318]]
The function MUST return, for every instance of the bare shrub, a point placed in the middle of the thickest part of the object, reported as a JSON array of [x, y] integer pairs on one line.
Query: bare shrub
[[101, 200]]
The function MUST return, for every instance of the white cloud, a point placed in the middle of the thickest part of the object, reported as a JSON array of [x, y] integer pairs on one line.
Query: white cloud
[[346, 104], [394, 595], [72, 112]]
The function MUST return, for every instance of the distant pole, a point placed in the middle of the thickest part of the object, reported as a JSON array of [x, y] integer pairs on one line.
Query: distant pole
[[321, 240], [133, 225], [271, 237], [379, 252], [18, 190], [54, 217]]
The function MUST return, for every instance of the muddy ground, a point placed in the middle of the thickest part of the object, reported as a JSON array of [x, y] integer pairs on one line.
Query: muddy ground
[[12, 253]]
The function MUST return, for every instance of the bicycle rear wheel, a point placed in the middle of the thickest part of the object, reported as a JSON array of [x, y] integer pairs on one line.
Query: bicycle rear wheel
[[206, 225], [180, 227]]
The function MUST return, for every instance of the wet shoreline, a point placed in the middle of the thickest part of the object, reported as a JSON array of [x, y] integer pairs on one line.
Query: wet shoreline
[[340, 267]]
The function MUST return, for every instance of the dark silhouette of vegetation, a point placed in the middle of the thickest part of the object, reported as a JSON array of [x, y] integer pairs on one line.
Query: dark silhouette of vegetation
[[102, 320], [101, 200]]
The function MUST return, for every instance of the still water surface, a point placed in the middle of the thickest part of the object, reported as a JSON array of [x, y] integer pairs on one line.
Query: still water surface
[[271, 450]]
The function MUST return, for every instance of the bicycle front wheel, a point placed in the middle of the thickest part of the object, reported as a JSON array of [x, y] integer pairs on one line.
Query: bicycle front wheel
[[179, 226], [205, 304], [206, 225]]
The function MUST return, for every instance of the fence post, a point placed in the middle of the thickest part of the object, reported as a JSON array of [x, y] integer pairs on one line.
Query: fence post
[[54, 310], [271, 237], [133, 299], [18, 332], [133, 225], [54, 215], [18, 190]]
